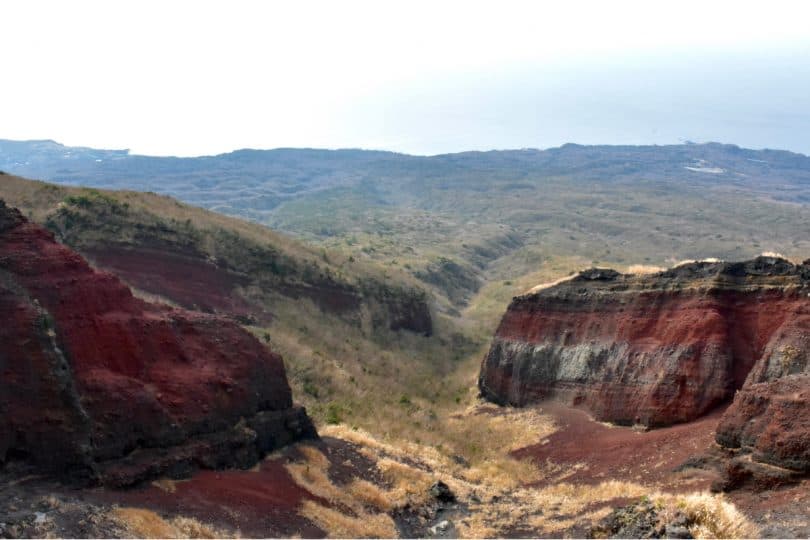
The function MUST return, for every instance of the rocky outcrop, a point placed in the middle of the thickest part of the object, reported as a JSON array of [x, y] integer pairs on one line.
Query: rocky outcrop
[[772, 420], [101, 385], [668, 347]]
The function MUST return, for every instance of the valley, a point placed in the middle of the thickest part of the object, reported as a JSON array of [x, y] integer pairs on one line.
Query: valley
[[457, 222], [382, 291]]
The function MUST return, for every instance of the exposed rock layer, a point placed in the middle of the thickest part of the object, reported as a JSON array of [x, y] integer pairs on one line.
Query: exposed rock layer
[[668, 347], [100, 384]]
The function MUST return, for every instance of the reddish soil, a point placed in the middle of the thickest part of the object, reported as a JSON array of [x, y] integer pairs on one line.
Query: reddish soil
[[622, 453], [188, 280], [654, 458], [256, 504], [259, 503]]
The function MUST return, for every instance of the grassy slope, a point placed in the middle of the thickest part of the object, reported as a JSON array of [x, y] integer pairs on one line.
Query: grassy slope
[[645, 223], [460, 221], [338, 369]]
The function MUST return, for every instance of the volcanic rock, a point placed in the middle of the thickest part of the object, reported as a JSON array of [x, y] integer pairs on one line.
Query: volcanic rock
[[103, 386], [442, 492], [668, 347]]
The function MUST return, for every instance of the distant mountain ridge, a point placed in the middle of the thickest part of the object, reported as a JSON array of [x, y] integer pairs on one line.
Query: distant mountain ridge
[[52, 161], [459, 221]]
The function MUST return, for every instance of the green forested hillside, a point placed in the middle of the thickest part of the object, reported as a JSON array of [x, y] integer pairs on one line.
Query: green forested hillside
[[458, 222]]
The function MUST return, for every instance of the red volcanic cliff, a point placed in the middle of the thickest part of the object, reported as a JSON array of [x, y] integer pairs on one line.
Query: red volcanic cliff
[[668, 347], [102, 385]]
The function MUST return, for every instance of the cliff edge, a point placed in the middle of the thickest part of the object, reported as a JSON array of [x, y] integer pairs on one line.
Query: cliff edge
[[668, 347], [101, 386]]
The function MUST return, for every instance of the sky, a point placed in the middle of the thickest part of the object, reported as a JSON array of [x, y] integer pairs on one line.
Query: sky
[[422, 77]]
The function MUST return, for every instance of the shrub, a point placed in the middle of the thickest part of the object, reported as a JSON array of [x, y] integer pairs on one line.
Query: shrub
[[333, 414], [310, 389]]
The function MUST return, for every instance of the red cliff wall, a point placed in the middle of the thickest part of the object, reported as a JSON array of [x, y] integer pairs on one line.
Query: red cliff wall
[[121, 389], [666, 348]]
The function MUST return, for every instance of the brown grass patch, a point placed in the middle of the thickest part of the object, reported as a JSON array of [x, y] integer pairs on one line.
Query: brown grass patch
[[640, 269], [370, 494], [496, 480], [143, 523], [712, 516], [339, 525], [483, 433], [549, 510], [410, 484], [359, 507], [549, 284]]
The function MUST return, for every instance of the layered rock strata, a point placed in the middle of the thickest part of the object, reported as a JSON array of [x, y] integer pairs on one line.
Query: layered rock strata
[[668, 347], [100, 385]]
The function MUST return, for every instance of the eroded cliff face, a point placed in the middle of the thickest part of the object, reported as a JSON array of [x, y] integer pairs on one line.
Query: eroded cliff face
[[668, 347], [102, 385]]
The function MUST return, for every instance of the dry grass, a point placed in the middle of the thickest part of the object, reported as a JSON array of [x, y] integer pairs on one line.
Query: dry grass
[[549, 284], [690, 261], [503, 429], [549, 510], [641, 269], [354, 511], [411, 484], [312, 474], [191, 528], [498, 481], [554, 509], [370, 494], [482, 433], [340, 525], [143, 523], [570, 498], [711, 515], [507, 504]]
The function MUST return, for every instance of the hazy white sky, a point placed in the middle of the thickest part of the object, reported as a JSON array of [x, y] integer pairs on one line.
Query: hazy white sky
[[190, 78]]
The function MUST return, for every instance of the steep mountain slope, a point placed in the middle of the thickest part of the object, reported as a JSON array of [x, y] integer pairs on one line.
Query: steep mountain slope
[[669, 347], [101, 385], [357, 339], [212, 263], [459, 221]]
